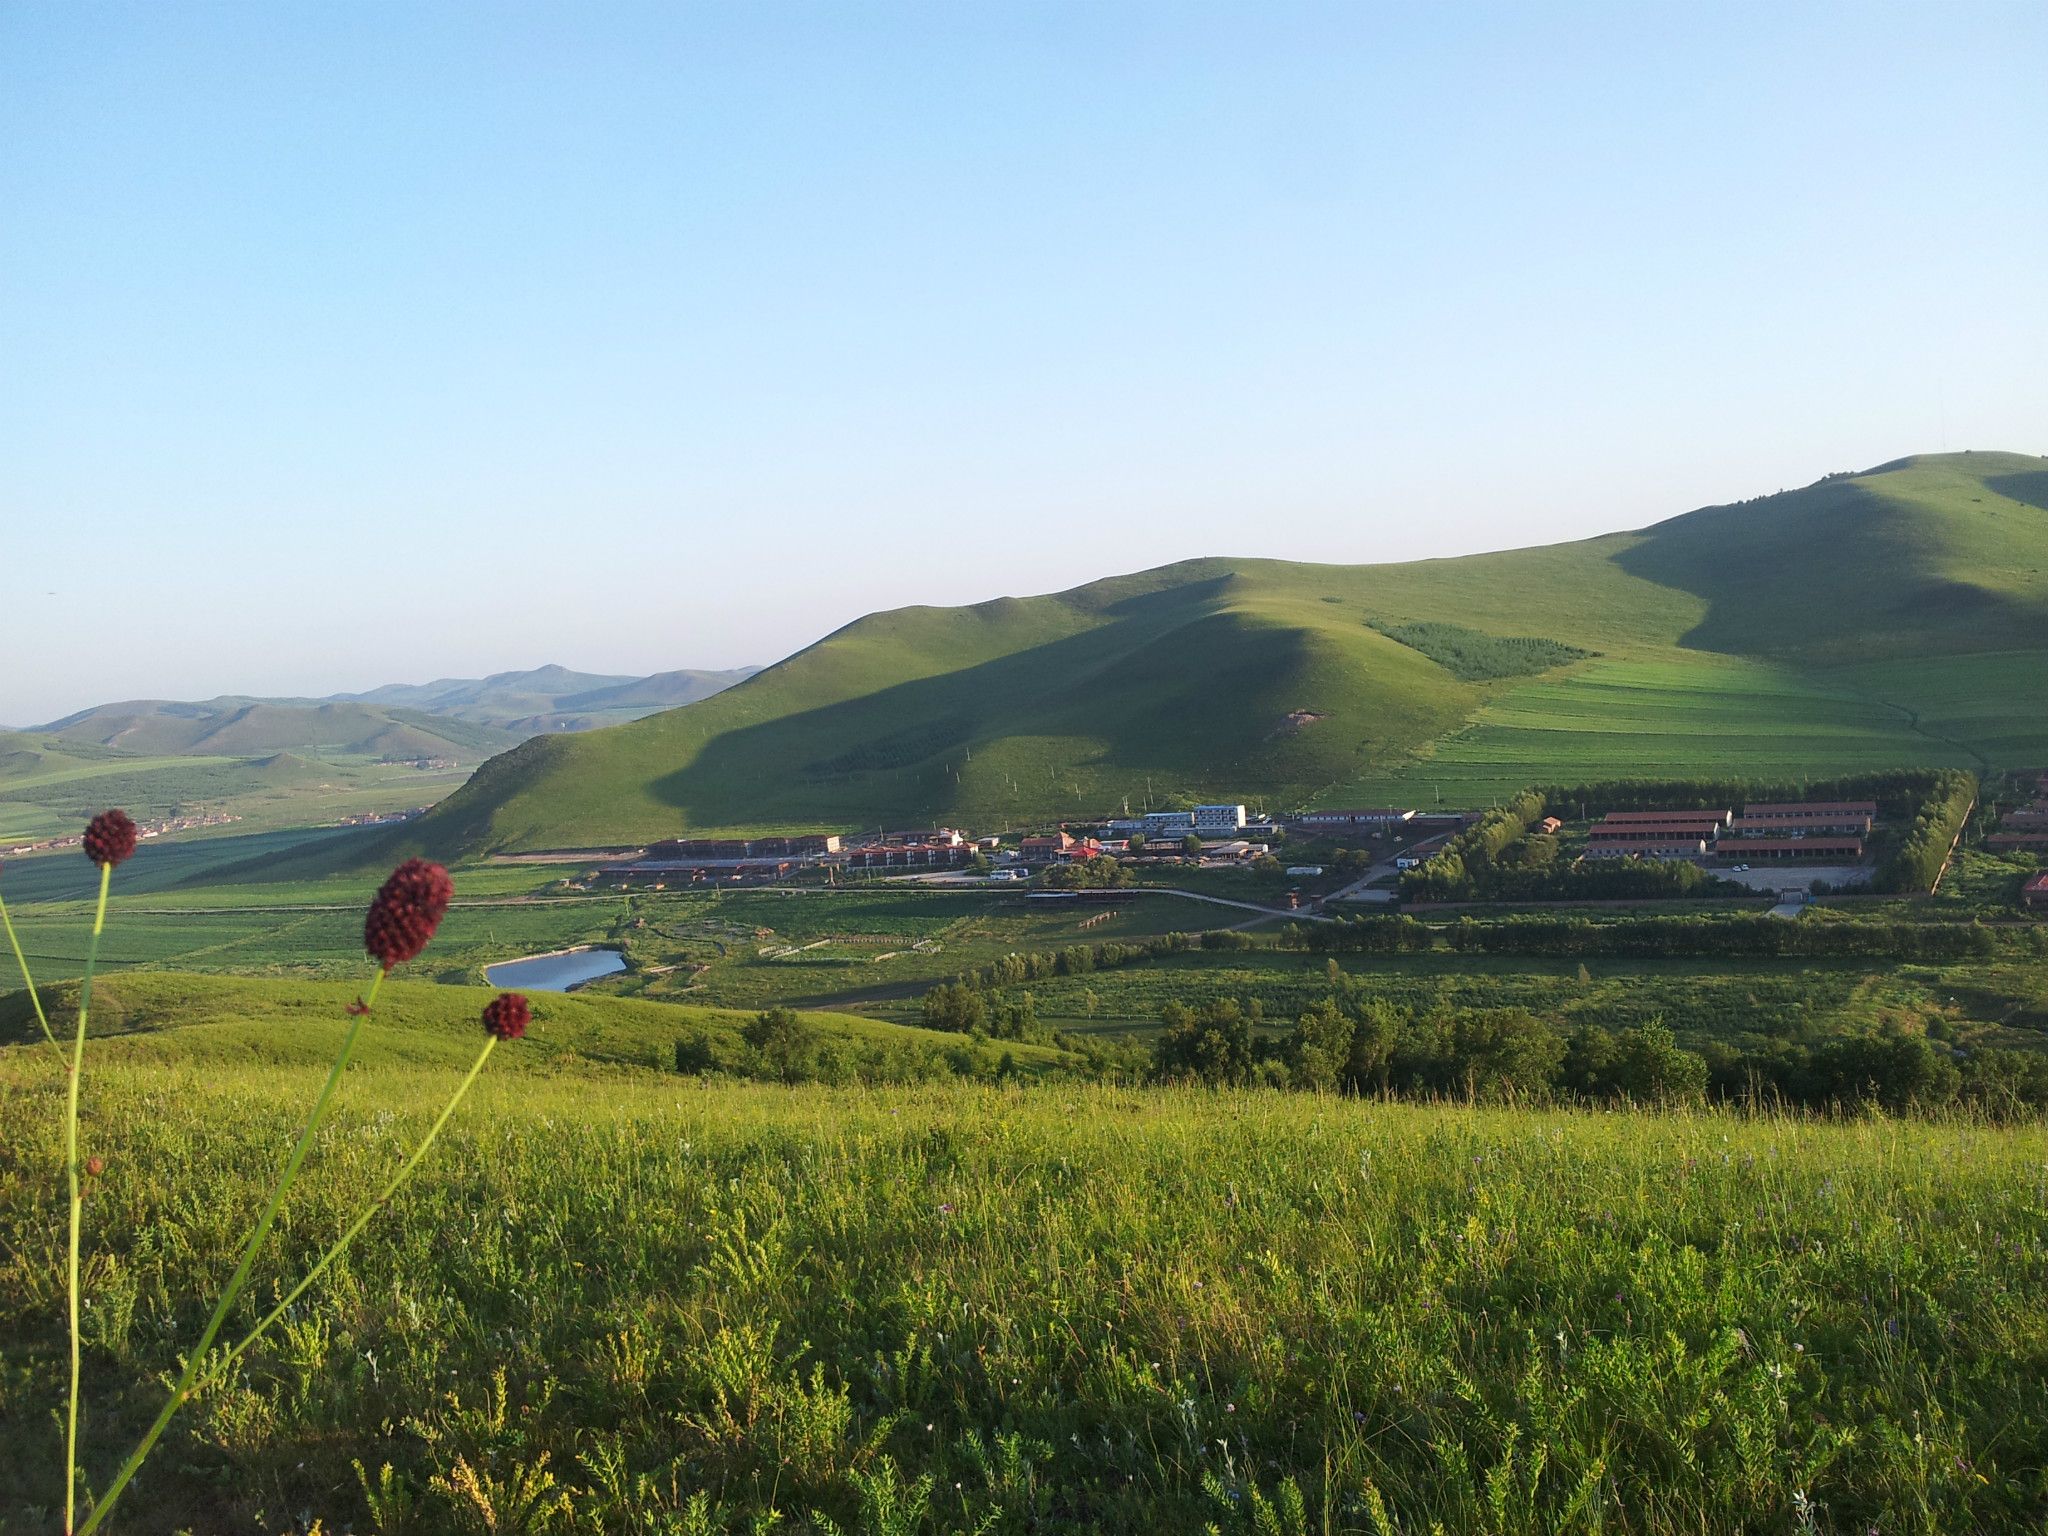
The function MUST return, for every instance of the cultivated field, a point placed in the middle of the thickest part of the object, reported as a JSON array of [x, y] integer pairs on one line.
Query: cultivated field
[[53, 788], [1700, 717]]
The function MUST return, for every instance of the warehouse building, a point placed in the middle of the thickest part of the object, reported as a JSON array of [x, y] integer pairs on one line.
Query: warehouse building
[[1673, 848], [2017, 842], [1619, 818], [1665, 829], [1800, 813], [1375, 820], [1841, 820], [1847, 850], [911, 856]]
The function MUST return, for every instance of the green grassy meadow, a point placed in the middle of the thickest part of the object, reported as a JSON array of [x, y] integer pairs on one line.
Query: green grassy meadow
[[620, 1304]]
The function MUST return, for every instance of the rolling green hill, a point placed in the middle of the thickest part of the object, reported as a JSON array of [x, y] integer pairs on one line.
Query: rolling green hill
[[1894, 616], [553, 698], [467, 719], [168, 1017], [237, 727]]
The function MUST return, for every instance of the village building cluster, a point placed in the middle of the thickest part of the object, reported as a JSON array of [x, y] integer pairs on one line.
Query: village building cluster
[[144, 829], [1827, 831], [2025, 828], [1822, 835]]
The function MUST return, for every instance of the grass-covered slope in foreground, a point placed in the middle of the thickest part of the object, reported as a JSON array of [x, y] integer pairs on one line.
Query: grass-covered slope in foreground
[[1802, 633], [617, 1306], [209, 1022]]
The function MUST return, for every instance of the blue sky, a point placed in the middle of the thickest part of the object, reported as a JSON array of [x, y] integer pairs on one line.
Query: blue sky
[[346, 344]]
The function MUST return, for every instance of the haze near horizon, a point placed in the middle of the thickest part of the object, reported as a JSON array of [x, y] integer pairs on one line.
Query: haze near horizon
[[377, 345]]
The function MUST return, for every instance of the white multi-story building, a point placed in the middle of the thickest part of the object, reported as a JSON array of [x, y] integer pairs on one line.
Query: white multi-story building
[[1210, 821]]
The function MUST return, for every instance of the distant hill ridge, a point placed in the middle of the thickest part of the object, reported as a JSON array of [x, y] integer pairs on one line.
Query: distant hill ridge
[[1890, 617], [466, 719]]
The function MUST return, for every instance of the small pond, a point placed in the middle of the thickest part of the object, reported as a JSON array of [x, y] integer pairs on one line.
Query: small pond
[[555, 973]]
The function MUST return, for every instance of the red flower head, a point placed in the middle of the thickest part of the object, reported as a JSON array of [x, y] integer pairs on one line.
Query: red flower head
[[506, 1016], [408, 908], [110, 838]]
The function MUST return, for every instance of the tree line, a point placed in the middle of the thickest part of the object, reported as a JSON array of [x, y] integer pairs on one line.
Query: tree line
[[1372, 1048], [1745, 934]]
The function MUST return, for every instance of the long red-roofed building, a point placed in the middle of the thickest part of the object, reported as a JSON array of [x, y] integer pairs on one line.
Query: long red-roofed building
[[1849, 849], [1620, 817]]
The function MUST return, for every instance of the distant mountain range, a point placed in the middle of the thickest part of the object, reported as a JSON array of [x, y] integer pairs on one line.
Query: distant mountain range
[[1890, 617], [464, 719]]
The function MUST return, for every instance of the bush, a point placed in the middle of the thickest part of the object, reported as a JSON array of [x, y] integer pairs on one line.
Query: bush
[[785, 1044], [1214, 1044]]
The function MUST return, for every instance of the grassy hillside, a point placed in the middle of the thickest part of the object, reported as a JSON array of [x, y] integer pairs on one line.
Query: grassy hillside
[[1817, 630], [233, 727], [172, 1018], [648, 1306]]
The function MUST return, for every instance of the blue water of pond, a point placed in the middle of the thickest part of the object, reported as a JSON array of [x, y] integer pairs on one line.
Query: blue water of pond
[[555, 973]]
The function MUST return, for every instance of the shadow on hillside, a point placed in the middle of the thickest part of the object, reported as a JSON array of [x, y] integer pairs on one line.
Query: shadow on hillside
[[1828, 574], [2030, 488], [1134, 686]]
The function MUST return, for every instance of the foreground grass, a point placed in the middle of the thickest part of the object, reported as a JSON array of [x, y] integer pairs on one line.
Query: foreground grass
[[618, 1304]]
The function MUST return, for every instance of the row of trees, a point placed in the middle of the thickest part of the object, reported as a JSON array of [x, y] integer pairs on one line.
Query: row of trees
[[966, 1010], [1097, 874], [782, 1046], [1919, 853], [1732, 934], [1080, 959], [1371, 1047]]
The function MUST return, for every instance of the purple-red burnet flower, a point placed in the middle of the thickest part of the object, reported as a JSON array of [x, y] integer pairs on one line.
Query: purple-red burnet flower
[[507, 1015], [408, 908], [110, 838]]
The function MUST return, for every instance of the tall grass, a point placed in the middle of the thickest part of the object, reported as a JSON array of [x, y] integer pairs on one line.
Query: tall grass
[[669, 1307]]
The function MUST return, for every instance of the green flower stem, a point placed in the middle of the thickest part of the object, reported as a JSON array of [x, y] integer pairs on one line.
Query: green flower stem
[[189, 1376], [27, 980], [92, 955], [383, 1199]]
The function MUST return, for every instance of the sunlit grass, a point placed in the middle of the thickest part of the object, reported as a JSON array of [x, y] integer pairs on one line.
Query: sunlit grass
[[1056, 1308]]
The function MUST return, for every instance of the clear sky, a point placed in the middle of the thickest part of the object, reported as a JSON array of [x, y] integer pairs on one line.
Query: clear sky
[[344, 344]]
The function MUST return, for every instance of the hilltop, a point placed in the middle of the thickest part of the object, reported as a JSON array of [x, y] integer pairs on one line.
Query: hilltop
[[1899, 615]]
